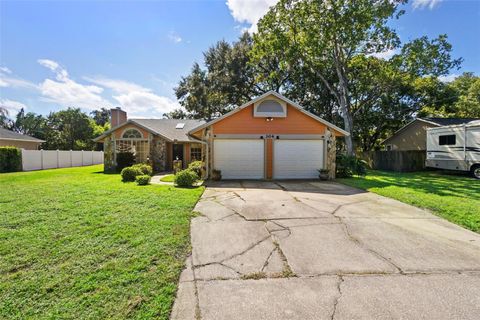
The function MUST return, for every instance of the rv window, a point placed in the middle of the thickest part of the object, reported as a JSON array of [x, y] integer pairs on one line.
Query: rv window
[[447, 140]]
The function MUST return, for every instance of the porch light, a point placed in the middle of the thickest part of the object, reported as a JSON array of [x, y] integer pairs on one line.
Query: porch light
[[269, 119]]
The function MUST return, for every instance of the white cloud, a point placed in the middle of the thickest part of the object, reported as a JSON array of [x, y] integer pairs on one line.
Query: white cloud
[[448, 78], [430, 4], [249, 11], [68, 92], [61, 73], [135, 99], [174, 37], [12, 106], [7, 80], [5, 70], [385, 55]]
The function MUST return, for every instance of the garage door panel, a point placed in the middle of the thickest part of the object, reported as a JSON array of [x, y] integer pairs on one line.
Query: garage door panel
[[239, 159], [297, 159]]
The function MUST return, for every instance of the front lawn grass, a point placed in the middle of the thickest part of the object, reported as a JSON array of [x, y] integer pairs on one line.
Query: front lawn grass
[[79, 244], [453, 197]]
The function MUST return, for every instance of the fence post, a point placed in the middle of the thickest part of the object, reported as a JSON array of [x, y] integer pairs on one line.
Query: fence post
[[41, 158], [83, 162], [71, 158], [58, 158], [91, 152]]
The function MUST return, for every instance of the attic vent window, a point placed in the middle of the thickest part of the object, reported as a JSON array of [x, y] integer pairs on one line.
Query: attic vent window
[[180, 125], [270, 108]]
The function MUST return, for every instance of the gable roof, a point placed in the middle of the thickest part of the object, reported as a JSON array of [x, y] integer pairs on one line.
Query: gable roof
[[279, 96], [437, 122], [166, 128], [10, 135], [448, 121]]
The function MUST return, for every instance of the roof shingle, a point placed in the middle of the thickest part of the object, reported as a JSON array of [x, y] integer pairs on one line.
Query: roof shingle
[[10, 135]]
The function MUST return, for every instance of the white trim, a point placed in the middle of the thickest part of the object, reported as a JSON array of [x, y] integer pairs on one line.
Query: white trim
[[279, 96]]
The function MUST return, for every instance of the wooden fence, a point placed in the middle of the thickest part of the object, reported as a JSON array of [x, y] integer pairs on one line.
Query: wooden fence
[[51, 159], [399, 161]]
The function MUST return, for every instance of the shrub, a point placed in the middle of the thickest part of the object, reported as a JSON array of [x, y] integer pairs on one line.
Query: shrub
[[130, 173], [348, 166], [196, 166], [145, 168], [143, 180], [10, 159], [125, 159], [185, 178]]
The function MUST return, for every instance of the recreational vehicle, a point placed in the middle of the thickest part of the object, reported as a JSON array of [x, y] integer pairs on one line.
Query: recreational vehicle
[[455, 148]]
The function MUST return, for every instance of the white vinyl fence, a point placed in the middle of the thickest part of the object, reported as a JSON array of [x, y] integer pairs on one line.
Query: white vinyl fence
[[51, 159]]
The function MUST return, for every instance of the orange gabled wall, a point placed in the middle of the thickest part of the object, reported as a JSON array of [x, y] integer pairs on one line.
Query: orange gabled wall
[[243, 122]]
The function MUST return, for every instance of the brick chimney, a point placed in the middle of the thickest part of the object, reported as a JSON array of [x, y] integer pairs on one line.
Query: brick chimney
[[118, 117]]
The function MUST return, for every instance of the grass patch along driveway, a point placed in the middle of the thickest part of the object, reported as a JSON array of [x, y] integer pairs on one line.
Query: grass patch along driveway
[[455, 198], [79, 244]]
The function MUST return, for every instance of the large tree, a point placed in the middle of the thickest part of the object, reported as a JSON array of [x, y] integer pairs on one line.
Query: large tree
[[325, 39]]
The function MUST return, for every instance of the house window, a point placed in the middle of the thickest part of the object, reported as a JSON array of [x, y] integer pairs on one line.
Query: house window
[[139, 148], [448, 140], [195, 151], [132, 141], [270, 108], [132, 134]]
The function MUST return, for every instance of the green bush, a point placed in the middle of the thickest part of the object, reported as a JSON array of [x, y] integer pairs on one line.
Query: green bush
[[197, 167], [145, 168], [185, 178], [143, 180], [348, 166], [10, 159], [130, 173], [125, 159]]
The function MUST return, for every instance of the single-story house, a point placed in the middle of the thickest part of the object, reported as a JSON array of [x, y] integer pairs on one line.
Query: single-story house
[[21, 141], [269, 137], [413, 136]]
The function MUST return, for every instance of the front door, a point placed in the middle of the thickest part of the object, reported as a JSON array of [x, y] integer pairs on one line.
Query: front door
[[178, 152]]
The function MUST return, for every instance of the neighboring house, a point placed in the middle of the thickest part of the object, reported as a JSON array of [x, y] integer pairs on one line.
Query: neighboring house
[[269, 137], [22, 141], [413, 136]]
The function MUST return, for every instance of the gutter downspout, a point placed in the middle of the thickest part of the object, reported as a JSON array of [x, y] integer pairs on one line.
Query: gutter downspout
[[206, 153]]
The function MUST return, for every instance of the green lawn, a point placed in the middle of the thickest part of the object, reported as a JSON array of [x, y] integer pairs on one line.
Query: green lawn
[[456, 198], [79, 244], [168, 178]]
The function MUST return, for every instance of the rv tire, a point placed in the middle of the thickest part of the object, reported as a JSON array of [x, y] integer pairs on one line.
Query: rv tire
[[475, 170]]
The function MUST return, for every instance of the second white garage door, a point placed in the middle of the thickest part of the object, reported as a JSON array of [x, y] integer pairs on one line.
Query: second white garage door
[[239, 159], [297, 159]]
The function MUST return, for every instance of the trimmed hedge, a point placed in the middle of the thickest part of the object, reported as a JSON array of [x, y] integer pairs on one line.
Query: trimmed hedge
[[10, 159], [145, 168], [196, 166], [186, 178], [130, 173], [143, 180]]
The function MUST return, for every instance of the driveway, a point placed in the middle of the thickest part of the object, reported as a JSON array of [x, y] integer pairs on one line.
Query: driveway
[[313, 250]]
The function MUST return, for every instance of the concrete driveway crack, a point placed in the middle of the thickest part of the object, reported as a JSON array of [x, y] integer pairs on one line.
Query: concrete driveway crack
[[337, 299]]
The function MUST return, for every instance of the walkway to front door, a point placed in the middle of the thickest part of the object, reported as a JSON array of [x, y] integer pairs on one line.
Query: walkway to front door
[[312, 250]]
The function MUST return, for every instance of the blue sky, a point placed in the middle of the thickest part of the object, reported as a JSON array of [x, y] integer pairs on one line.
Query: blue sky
[[90, 54]]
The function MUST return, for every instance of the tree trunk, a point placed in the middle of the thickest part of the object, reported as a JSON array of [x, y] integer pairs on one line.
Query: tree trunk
[[348, 123]]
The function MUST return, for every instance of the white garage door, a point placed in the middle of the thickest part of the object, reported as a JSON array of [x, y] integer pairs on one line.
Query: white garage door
[[239, 159], [297, 159]]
